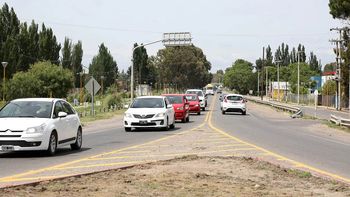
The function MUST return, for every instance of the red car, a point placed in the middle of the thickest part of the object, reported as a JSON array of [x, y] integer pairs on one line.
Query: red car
[[195, 105], [181, 106]]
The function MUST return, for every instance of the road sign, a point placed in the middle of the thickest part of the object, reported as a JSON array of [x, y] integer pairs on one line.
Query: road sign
[[92, 86]]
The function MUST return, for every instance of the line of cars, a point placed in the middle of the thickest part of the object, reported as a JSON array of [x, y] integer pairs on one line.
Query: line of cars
[[163, 111]]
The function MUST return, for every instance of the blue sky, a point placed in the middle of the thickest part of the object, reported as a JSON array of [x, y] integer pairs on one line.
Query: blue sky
[[225, 29]]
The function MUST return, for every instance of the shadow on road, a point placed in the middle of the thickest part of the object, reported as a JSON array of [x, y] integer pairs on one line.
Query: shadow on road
[[37, 154]]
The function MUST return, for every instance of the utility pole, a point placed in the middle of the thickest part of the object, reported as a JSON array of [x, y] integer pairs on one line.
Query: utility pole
[[278, 79], [298, 77], [262, 67], [338, 43], [266, 81], [4, 64]]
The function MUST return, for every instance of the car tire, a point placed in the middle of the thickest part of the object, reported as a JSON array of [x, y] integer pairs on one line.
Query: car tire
[[183, 120], [127, 129], [244, 113], [203, 108], [199, 113], [79, 140], [172, 126], [223, 112], [51, 150], [166, 128], [188, 119]]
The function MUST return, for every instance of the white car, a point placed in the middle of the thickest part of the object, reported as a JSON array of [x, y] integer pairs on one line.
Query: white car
[[202, 98], [234, 103], [150, 112], [39, 124]]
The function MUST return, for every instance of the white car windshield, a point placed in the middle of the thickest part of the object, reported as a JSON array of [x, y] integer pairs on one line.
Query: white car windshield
[[191, 97], [148, 103], [34, 109], [199, 93]]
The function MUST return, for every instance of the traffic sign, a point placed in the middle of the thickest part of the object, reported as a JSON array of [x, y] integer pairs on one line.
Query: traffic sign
[[92, 86]]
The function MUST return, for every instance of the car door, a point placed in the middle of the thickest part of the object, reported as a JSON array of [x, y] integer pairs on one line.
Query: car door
[[72, 120], [60, 123], [169, 111]]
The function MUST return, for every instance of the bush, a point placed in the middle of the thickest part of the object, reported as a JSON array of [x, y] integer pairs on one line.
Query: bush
[[111, 100]]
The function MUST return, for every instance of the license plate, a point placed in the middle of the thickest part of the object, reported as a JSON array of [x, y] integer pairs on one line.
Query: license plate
[[7, 148], [143, 122]]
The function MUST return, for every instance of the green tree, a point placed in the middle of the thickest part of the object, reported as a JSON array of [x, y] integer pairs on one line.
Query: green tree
[[67, 53], [305, 75], [103, 65], [49, 48], [331, 67], [185, 66], [314, 63], [329, 88], [340, 9], [240, 77], [43, 79], [77, 58]]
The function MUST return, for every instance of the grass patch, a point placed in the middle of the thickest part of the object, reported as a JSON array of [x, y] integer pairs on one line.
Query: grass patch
[[300, 174], [334, 126], [101, 116]]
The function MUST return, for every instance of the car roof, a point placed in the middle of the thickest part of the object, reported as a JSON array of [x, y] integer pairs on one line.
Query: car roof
[[151, 97], [234, 95], [173, 94], [38, 99], [194, 90]]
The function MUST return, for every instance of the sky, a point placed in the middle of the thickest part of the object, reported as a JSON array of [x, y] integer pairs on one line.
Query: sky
[[226, 30]]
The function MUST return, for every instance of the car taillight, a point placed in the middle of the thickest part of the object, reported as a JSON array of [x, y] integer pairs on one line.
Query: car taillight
[[243, 101]]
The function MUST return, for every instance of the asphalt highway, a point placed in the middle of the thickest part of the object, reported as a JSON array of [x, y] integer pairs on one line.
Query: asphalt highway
[[275, 132], [95, 142]]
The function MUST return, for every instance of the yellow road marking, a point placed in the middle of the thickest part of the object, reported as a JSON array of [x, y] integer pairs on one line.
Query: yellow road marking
[[278, 156], [230, 145], [105, 164], [40, 178]]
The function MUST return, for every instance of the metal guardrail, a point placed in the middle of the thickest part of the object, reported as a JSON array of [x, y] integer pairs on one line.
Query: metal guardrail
[[296, 112], [340, 121]]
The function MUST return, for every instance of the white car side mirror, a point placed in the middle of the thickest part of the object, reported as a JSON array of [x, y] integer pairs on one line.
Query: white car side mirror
[[62, 114]]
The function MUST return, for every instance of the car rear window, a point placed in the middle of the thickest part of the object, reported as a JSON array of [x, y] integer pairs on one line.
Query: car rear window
[[234, 98], [199, 93], [191, 97], [175, 99]]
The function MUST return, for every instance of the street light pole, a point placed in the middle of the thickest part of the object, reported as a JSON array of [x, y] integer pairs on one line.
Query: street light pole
[[299, 76], [278, 79], [4, 64]]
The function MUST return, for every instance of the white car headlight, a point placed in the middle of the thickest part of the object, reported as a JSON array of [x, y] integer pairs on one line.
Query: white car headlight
[[38, 129], [127, 115], [160, 115]]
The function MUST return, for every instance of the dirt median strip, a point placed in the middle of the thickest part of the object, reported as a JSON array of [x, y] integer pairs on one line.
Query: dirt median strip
[[189, 176]]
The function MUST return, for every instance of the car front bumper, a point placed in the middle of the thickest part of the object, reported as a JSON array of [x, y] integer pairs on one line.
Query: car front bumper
[[27, 142], [145, 123]]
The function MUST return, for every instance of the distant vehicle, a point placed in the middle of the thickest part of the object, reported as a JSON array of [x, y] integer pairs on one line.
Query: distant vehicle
[[209, 89], [150, 112], [181, 106], [201, 96], [234, 103], [39, 124], [219, 91], [194, 103]]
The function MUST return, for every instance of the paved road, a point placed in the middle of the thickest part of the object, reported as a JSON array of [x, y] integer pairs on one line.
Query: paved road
[[95, 142], [290, 138], [272, 136]]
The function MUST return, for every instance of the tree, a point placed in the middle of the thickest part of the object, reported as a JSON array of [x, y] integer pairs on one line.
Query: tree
[[67, 53], [43, 79], [331, 67], [240, 77], [329, 88], [49, 49], [103, 65], [314, 63], [340, 9], [183, 66], [76, 59], [140, 61], [305, 75]]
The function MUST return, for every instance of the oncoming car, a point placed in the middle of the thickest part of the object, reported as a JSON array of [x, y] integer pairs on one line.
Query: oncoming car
[[39, 124], [234, 103], [150, 112]]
